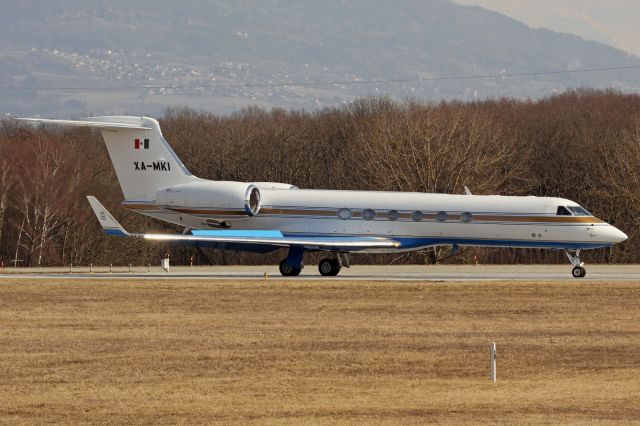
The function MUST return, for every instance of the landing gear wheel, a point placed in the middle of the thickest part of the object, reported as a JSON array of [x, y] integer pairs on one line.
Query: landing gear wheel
[[578, 272], [289, 271], [329, 267]]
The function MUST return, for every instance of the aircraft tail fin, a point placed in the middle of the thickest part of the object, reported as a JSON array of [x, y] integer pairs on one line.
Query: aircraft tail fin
[[143, 160]]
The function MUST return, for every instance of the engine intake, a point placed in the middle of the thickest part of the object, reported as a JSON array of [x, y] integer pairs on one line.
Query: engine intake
[[252, 200]]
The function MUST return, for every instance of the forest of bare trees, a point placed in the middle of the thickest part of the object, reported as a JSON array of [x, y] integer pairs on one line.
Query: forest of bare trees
[[583, 145]]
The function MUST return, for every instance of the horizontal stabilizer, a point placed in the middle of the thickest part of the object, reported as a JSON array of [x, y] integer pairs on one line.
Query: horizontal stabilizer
[[86, 123]]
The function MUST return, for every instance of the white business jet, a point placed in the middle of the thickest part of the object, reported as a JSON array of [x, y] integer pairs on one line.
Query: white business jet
[[265, 216]]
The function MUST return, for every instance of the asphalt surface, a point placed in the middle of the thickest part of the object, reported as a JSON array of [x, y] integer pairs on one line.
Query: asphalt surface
[[360, 272]]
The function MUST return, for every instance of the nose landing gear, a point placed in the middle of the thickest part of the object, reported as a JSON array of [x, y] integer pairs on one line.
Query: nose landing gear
[[578, 270]]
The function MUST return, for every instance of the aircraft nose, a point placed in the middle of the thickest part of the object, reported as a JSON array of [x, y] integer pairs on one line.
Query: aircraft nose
[[615, 235]]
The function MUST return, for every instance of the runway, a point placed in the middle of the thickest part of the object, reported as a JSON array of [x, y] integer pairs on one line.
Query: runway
[[436, 273]]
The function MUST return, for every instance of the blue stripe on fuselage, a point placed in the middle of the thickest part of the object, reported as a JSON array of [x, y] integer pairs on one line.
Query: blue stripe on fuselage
[[240, 233], [408, 243]]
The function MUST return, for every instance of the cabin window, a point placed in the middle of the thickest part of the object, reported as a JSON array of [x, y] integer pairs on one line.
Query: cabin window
[[417, 216], [368, 214], [442, 216], [562, 211], [579, 211], [344, 214], [393, 215], [466, 217]]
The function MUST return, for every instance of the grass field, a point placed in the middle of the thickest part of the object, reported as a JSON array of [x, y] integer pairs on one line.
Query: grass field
[[325, 353]]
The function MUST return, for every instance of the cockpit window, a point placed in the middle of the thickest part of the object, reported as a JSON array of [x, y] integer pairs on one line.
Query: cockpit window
[[562, 211], [579, 211]]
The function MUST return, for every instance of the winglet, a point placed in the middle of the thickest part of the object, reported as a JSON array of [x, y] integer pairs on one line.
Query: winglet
[[108, 223]]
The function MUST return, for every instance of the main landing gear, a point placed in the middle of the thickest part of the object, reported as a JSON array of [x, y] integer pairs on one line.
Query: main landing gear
[[328, 267], [289, 271], [292, 265], [578, 270]]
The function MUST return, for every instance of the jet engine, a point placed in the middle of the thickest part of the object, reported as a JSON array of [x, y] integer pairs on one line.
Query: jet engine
[[216, 195]]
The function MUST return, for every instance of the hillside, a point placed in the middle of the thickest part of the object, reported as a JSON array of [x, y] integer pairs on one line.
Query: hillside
[[82, 44]]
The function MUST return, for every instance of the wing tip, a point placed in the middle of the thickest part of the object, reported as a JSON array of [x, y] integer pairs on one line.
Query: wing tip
[[109, 224]]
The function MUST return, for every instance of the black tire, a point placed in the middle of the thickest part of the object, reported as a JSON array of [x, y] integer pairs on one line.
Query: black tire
[[325, 267], [289, 271], [578, 272], [329, 267], [336, 267]]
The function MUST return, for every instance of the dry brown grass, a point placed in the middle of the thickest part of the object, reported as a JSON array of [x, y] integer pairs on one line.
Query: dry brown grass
[[321, 352]]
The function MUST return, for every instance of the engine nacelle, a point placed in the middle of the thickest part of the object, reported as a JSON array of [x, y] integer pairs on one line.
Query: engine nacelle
[[215, 195], [274, 185]]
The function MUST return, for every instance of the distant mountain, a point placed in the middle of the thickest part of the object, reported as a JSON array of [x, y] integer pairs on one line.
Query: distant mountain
[[613, 22], [167, 44]]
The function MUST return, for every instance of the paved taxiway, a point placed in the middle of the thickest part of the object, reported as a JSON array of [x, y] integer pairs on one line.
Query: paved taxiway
[[358, 272]]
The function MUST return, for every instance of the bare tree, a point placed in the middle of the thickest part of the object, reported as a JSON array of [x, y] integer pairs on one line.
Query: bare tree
[[42, 199], [6, 185]]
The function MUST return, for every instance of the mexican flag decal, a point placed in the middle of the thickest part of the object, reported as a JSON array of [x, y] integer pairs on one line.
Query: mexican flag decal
[[141, 144]]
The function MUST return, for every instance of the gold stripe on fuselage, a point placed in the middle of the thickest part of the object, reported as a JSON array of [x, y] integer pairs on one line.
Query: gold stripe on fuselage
[[357, 214], [297, 212], [141, 206], [541, 219]]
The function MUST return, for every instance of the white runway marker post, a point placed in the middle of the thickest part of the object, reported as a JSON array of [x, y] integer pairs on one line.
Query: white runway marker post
[[493, 356]]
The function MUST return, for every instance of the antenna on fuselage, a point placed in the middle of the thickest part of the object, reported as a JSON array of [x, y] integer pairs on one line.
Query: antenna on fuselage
[[467, 191]]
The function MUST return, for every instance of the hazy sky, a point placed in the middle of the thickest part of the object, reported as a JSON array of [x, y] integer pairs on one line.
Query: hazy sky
[[614, 22]]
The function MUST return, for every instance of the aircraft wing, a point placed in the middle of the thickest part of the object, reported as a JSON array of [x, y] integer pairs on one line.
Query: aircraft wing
[[237, 238]]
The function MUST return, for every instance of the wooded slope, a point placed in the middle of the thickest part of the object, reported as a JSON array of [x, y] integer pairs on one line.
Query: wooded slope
[[582, 145]]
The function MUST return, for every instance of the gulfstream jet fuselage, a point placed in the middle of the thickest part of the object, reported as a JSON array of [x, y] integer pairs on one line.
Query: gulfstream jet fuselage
[[264, 216]]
